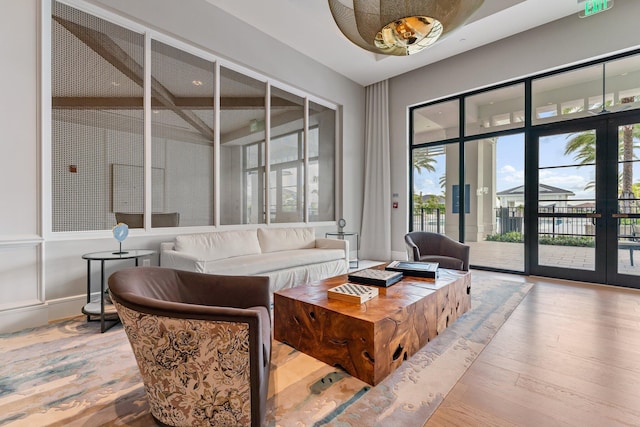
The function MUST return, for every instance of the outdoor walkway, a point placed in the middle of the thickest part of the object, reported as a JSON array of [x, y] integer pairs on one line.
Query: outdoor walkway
[[510, 256]]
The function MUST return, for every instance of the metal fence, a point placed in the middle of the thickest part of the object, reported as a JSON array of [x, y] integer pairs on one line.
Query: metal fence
[[512, 220], [428, 220]]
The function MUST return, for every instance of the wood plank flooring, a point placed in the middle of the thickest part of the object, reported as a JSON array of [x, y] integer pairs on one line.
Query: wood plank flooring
[[569, 355]]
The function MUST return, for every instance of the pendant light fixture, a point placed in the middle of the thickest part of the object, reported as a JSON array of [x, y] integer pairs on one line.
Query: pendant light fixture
[[399, 27]]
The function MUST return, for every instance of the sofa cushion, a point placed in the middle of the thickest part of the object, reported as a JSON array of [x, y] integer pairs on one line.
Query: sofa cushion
[[219, 244], [444, 261], [265, 263], [286, 239]]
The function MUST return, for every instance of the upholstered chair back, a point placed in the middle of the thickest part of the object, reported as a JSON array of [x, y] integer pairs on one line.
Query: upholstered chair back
[[433, 247], [202, 343]]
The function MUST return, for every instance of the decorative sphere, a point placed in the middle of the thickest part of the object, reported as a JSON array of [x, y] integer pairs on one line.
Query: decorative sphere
[[120, 231]]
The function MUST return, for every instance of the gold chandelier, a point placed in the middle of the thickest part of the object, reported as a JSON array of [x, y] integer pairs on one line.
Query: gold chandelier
[[399, 27]]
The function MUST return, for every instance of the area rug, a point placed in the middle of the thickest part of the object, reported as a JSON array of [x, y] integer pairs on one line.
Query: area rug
[[69, 374]]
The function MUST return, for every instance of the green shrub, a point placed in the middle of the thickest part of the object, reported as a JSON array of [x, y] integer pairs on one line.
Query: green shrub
[[511, 237], [581, 241], [516, 237]]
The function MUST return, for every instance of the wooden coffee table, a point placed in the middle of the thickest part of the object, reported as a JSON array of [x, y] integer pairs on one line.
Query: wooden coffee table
[[372, 339]]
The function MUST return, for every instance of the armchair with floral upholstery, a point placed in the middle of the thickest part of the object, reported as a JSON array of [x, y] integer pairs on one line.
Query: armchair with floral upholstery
[[202, 343]]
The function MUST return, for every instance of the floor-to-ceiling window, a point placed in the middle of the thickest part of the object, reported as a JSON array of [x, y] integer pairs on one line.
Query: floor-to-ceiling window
[[544, 160]]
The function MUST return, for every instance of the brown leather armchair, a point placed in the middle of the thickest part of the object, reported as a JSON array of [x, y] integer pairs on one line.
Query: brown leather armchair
[[202, 343], [433, 247]]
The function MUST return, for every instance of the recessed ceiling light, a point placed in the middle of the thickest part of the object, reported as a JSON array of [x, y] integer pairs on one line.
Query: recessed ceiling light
[[197, 82]]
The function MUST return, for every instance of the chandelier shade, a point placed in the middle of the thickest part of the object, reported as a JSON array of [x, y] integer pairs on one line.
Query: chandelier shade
[[399, 27]]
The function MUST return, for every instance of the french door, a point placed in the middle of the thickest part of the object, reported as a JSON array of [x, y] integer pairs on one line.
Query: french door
[[585, 215]]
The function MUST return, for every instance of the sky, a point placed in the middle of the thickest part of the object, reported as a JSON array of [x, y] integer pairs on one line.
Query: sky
[[510, 168]]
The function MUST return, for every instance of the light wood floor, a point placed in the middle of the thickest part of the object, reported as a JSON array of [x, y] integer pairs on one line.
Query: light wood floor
[[569, 355]]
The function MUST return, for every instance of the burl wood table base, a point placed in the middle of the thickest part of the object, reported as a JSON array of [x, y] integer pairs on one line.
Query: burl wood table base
[[370, 340]]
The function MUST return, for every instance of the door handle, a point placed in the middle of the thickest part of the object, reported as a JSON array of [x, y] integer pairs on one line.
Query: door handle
[[594, 216], [619, 215]]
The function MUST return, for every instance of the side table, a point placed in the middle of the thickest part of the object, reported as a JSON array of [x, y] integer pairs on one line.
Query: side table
[[102, 308], [349, 235]]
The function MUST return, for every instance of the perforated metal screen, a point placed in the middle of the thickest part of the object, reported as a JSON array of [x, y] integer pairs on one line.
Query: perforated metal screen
[[97, 120]]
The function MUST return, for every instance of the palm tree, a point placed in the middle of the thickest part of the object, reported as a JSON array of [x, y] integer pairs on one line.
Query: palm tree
[[583, 147], [423, 161]]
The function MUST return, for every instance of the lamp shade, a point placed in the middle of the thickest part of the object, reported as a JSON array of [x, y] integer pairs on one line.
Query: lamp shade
[[399, 27]]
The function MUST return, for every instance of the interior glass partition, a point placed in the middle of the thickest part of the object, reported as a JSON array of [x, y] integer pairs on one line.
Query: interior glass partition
[[182, 96], [321, 154], [98, 140], [97, 123], [286, 157], [242, 150]]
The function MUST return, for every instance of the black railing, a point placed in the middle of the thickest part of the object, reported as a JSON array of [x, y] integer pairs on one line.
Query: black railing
[[511, 219], [432, 220]]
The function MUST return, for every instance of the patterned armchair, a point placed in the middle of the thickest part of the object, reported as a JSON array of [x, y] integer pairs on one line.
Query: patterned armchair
[[433, 247], [202, 343]]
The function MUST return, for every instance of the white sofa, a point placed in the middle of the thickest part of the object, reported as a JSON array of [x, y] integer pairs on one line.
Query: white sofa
[[288, 256]]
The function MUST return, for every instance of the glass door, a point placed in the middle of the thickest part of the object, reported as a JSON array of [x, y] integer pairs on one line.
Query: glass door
[[586, 197], [624, 214], [569, 195]]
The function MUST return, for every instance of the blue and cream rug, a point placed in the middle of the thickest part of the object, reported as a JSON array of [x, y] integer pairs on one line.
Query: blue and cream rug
[[69, 374]]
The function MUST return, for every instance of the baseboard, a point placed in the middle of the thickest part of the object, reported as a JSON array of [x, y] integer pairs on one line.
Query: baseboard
[[63, 308], [23, 318], [17, 319]]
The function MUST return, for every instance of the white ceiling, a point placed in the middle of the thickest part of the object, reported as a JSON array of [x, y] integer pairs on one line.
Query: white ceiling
[[307, 26]]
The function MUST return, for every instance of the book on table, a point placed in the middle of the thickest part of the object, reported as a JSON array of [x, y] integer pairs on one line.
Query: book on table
[[415, 268], [352, 292], [374, 276]]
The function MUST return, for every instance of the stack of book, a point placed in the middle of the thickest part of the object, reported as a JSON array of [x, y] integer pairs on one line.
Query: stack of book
[[372, 276], [415, 268]]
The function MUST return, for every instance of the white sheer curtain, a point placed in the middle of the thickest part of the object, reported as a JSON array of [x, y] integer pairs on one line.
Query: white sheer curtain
[[376, 212]]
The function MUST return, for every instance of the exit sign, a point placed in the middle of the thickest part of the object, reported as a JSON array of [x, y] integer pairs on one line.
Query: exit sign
[[591, 7]]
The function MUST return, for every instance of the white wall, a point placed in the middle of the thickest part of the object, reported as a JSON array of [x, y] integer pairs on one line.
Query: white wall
[[20, 237], [42, 276], [555, 45]]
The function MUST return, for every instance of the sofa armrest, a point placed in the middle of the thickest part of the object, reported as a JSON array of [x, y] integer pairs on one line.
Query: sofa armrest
[[322, 243], [181, 261], [167, 246]]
